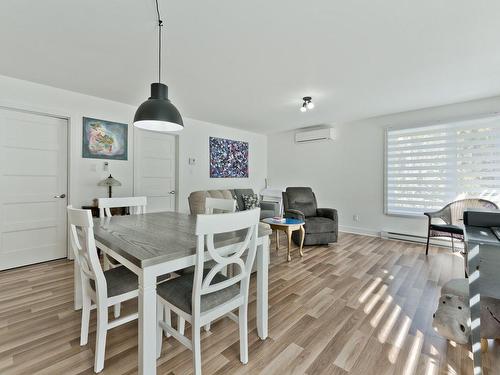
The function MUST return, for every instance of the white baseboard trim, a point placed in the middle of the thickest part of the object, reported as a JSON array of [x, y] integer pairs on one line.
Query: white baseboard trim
[[397, 236], [441, 242], [357, 230]]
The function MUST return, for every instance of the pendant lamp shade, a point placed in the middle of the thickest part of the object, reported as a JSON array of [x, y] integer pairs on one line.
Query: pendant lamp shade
[[158, 113]]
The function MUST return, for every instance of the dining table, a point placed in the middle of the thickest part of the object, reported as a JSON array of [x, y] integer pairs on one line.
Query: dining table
[[154, 244]]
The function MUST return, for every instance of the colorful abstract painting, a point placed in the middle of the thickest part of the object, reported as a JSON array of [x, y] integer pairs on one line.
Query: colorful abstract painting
[[104, 139], [228, 158]]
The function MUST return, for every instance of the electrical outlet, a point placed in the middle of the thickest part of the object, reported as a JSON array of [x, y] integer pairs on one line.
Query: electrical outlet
[[105, 167], [355, 217], [192, 161]]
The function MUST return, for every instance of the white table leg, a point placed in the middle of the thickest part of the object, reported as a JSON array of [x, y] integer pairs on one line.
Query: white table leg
[[147, 323], [77, 286], [262, 281]]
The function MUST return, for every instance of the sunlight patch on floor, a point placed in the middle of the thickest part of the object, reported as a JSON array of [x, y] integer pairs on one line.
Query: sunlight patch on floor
[[381, 311], [400, 338], [369, 290], [414, 354], [386, 329]]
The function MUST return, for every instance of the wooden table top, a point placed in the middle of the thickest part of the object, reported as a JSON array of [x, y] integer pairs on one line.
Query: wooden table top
[[158, 237]]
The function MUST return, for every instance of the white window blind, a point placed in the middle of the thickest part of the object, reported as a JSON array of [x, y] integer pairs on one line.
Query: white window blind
[[428, 167]]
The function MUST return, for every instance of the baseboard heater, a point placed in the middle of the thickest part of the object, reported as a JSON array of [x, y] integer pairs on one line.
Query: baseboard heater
[[415, 238]]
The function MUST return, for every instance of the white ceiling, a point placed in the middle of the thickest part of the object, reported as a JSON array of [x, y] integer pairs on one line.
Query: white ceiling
[[246, 64]]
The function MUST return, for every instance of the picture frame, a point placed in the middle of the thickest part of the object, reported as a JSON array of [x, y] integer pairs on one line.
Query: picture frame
[[228, 158], [104, 139]]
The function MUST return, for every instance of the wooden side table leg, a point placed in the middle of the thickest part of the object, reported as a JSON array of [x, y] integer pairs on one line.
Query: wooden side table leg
[[277, 240], [289, 235], [302, 236]]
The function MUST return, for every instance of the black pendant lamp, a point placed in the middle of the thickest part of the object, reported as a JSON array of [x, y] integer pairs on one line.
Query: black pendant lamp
[[158, 113]]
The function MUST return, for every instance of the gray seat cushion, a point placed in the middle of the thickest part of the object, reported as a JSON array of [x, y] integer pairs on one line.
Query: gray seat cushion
[[179, 292], [319, 225], [119, 280]]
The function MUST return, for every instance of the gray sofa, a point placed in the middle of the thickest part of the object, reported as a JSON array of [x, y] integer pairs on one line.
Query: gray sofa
[[197, 201], [321, 224]]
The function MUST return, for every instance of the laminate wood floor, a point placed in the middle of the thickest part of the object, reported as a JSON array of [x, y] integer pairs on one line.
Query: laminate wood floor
[[361, 306]]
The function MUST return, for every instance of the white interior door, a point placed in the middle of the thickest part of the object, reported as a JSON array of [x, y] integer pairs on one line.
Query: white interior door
[[154, 169], [33, 172]]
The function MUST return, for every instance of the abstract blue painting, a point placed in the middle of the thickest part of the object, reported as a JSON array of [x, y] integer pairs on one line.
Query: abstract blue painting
[[228, 158]]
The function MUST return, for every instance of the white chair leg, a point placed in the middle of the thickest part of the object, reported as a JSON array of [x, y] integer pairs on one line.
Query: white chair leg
[[106, 264], [159, 330], [117, 309], [243, 323], [84, 333], [168, 319], [100, 346], [207, 327], [196, 341], [181, 324]]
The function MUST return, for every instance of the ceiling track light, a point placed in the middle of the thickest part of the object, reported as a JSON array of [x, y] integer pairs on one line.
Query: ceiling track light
[[307, 104]]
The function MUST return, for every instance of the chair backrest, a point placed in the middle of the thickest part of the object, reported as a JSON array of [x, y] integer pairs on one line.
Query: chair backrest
[[84, 248], [219, 205], [457, 208], [136, 205], [300, 198], [217, 224]]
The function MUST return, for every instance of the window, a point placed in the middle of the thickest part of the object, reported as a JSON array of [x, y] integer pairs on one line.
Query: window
[[428, 167]]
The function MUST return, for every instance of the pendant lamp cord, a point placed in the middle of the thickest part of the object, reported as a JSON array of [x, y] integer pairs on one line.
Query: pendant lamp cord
[[160, 25]]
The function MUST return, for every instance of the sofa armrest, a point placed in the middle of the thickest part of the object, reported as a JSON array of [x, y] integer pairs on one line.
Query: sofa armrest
[[269, 205], [329, 213], [295, 214]]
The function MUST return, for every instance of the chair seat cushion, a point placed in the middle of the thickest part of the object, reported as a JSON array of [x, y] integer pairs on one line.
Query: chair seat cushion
[[316, 224], [179, 292], [448, 228], [119, 280]]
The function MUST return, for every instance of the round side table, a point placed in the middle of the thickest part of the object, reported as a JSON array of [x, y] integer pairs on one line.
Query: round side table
[[288, 226]]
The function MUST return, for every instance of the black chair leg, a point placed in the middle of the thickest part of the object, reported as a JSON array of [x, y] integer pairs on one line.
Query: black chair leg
[[428, 239]]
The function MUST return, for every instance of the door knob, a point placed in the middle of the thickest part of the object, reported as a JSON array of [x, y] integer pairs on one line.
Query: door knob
[[171, 192], [60, 196]]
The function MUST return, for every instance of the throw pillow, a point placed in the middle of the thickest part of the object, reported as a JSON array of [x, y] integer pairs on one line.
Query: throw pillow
[[251, 201], [236, 200]]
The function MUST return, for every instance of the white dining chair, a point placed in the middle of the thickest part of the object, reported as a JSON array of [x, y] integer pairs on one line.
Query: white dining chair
[[218, 205], [100, 289], [206, 295], [136, 206]]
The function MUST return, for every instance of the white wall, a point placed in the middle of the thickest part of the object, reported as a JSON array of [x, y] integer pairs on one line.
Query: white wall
[[347, 173], [193, 143], [86, 173]]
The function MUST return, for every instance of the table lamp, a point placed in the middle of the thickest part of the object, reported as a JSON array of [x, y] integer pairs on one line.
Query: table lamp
[[109, 182]]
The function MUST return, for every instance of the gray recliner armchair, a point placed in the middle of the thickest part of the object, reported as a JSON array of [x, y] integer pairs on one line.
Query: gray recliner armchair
[[321, 224]]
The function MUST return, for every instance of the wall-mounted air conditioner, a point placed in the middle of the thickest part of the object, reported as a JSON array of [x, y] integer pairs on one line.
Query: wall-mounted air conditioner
[[315, 135]]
